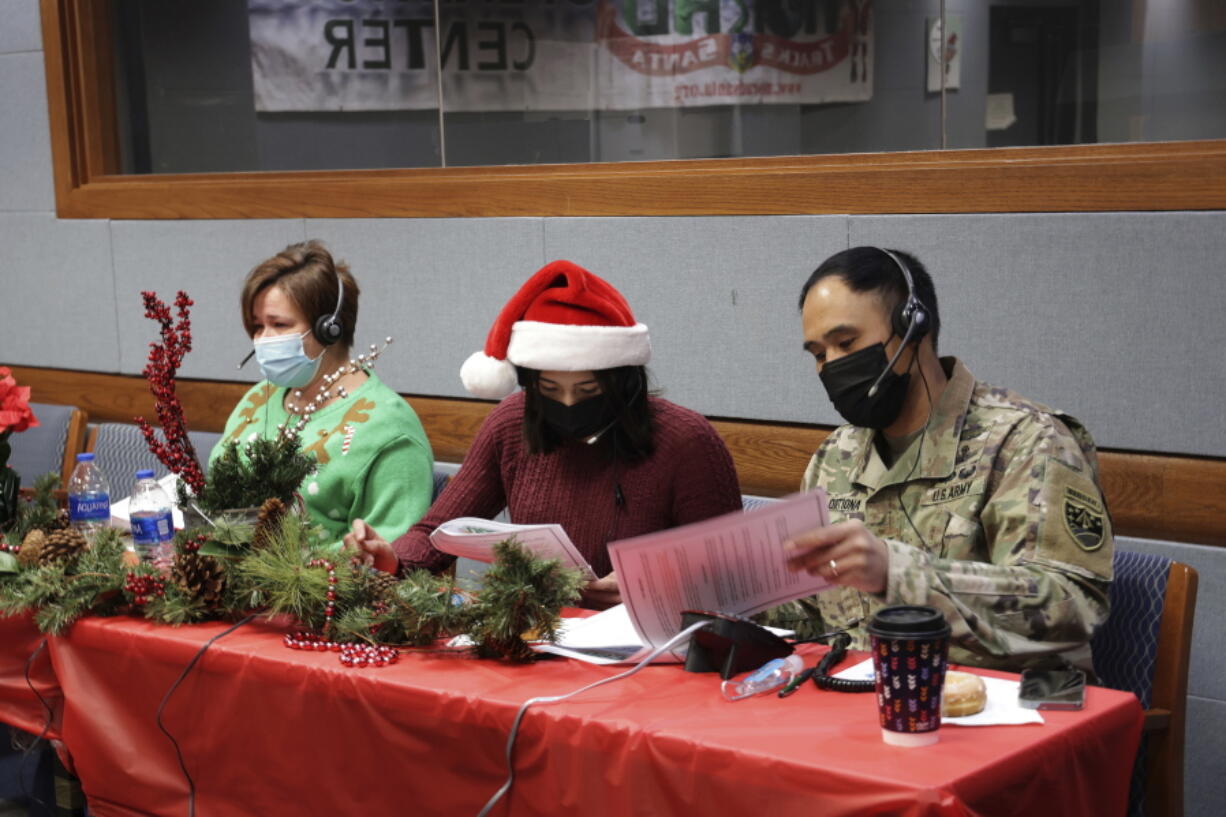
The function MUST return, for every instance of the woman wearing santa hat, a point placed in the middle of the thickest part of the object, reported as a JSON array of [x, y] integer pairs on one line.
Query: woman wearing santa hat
[[583, 444]]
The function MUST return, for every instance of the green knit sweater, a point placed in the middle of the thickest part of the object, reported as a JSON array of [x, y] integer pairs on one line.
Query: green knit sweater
[[374, 459]]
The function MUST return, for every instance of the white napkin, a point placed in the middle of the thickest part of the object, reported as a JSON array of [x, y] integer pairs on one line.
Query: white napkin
[[1001, 709]]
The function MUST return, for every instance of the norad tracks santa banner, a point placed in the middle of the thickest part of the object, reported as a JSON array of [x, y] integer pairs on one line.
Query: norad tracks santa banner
[[372, 55]]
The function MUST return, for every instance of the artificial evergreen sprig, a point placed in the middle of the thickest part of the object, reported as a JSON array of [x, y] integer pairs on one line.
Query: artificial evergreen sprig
[[246, 477], [520, 594]]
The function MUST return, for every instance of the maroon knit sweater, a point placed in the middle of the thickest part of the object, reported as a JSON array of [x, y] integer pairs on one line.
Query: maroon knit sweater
[[688, 477]]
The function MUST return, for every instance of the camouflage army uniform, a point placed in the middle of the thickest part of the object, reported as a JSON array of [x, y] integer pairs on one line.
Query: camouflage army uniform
[[1008, 533]]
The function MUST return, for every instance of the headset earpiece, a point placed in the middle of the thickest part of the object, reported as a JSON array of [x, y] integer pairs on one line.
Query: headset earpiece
[[910, 316], [328, 329]]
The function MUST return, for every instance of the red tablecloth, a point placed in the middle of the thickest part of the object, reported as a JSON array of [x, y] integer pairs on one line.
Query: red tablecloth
[[19, 704], [269, 731]]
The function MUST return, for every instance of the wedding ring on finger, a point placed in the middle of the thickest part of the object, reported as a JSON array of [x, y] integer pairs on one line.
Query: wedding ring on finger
[[834, 568]]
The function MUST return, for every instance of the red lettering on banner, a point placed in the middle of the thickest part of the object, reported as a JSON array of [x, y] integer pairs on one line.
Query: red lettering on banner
[[659, 59]]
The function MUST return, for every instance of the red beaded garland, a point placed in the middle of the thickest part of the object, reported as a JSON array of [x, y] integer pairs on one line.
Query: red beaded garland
[[351, 655]]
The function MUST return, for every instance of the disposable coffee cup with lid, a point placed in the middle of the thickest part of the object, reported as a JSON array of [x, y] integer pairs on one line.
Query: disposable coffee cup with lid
[[910, 645]]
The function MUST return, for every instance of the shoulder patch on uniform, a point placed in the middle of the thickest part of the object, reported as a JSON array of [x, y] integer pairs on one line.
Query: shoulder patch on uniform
[[1083, 518]]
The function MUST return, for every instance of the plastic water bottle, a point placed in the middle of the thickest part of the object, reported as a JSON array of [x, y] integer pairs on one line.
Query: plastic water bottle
[[150, 512], [89, 497], [771, 675]]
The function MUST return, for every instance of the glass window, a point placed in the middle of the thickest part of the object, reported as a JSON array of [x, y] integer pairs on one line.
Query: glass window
[[243, 85]]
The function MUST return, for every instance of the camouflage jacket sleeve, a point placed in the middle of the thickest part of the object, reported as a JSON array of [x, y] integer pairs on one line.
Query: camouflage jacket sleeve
[[1045, 537]]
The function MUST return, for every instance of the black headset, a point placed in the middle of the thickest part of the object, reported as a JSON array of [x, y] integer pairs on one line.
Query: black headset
[[329, 329], [909, 320]]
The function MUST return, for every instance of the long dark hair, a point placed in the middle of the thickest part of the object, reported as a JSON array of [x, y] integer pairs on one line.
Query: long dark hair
[[626, 386]]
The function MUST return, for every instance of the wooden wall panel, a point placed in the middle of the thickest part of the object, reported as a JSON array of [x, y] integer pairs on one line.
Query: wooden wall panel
[[1151, 495]]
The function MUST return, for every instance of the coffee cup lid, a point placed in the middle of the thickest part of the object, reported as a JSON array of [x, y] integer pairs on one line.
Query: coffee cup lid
[[909, 621]]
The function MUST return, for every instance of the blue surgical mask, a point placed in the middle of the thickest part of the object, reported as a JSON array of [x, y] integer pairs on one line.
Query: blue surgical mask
[[284, 362]]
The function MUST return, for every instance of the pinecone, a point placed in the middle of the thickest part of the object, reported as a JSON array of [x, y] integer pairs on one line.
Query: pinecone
[[199, 577], [60, 522], [32, 547], [267, 523], [61, 545], [381, 585]]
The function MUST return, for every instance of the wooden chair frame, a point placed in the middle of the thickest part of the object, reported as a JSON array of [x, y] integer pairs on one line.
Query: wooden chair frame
[[1165, 720], [74, 443]]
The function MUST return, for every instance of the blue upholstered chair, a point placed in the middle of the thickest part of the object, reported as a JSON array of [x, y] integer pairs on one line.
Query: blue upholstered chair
[[1144, 647], [441, 478], [204, 441], [750, 503], [52, 445]]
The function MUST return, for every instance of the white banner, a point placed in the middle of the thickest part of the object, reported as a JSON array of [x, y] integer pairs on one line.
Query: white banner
[[374, 55]]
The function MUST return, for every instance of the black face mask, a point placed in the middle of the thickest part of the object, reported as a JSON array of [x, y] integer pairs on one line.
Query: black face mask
[[580, 420], [848, 380]]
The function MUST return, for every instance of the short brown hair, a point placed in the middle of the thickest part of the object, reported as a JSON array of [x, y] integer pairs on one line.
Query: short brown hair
[[307, 274]]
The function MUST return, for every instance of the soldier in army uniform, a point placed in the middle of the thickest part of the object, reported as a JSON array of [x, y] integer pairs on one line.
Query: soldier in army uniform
[[943, 490]]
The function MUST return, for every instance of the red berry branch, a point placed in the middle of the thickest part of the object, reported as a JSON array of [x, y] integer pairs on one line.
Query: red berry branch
[[177, 452]]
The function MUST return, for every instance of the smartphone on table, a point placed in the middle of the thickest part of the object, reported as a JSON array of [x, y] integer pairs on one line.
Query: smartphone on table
[[1052, 689]]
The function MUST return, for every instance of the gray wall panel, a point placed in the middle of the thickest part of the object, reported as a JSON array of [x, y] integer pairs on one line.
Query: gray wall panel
[[25, 150], [434, 285], [20, 27], [208, 260], [719, 295], [1113, 317], [1204, 784], [58, 303]]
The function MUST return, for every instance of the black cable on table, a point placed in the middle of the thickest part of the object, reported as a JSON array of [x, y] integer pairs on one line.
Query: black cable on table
[[191, 784]]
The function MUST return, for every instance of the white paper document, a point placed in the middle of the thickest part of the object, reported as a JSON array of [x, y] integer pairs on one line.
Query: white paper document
[[1001, 708], [605, 638], [730, 564], [473, 538], [609, 637]]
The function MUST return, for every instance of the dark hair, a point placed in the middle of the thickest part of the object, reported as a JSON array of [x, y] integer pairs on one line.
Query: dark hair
[[308, 275], [870, 269], [630, 439]]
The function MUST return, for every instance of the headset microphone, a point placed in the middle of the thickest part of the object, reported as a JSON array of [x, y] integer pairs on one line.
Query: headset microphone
[[919, 319], [243, 362], [909, 319]]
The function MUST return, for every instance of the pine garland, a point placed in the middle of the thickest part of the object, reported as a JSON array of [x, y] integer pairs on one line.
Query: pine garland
[[520, 596]]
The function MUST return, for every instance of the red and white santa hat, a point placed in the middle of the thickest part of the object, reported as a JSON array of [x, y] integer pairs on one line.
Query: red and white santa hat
[[563, 319]]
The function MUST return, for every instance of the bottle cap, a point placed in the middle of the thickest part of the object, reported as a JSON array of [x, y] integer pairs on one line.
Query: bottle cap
[[88, 456], [145, 473]]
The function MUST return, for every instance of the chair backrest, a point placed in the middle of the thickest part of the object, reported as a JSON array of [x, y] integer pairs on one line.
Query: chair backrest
[[121, 452], [52, 445], [440, 482], [749, 503], [1145, 647], [203, 442]]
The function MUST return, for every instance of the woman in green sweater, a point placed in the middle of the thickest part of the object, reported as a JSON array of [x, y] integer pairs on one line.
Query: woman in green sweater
[[374, 461]]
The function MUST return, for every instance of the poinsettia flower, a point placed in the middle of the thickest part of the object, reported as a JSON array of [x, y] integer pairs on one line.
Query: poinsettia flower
[[15, 412]]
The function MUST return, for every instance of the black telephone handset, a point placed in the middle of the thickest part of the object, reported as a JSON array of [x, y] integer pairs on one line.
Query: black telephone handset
[[1052, 689]]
